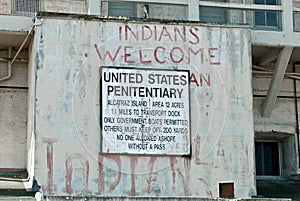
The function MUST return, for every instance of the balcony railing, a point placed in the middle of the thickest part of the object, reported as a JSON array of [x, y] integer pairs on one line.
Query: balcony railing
[[30, 7], [25, 7]]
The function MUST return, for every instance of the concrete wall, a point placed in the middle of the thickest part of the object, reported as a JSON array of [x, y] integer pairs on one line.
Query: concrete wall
[[68, 110], [283, 118], [13, 118], [52, 198]]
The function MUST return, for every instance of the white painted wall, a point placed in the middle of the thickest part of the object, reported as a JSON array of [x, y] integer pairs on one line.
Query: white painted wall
[[68, 111]]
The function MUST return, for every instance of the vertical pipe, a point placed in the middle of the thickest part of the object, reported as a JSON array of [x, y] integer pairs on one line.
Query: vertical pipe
[[9, 63], [244, 14], [297, 115]]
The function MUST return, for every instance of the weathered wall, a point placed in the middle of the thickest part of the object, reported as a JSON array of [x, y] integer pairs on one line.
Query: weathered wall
[[65, 6], [52, 198], [283, 118], [174, 12], [69, 53]]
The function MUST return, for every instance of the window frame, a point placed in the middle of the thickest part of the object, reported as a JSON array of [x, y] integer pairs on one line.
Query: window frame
[[265, 26], [133, 4]]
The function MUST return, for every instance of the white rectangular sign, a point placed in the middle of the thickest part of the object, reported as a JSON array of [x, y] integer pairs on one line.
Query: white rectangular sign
[[145, 111]]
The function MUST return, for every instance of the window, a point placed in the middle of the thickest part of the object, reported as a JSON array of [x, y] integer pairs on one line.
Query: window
[[26, 6], [213, 15], [267, 19], [267, 158], [127, 9]]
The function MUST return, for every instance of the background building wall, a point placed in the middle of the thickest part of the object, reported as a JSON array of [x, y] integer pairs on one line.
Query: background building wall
[[176, 12], [65, 6], [296, 3], [282, 125], [5, 7], [13, 118], [283, 118]]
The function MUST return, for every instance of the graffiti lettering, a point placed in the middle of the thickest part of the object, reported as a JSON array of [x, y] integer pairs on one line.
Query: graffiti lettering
[[179, 171], [50, 186], [69, 171], [165, 33], [159, 54]]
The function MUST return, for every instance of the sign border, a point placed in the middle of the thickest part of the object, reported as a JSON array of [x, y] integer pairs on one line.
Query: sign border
[[101, 112]]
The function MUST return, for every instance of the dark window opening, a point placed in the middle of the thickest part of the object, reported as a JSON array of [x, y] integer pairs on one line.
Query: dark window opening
[[267, 158], [126, 9]]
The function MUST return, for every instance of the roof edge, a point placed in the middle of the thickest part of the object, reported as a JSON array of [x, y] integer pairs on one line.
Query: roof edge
[[123, 19]]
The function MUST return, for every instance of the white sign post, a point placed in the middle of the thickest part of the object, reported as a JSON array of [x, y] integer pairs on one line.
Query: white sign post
[[145, 111]]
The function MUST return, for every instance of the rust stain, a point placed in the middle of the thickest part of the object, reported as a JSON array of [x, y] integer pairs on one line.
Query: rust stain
[[185, 178], [198, 161], [220, 154], [69, 171], [208, 192], [172, 163], [187, 167], [133, 162], [197, 150], [150, 178], [49, 188]]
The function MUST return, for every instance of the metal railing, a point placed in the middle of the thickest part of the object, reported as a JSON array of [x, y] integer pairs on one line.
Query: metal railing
[[30, 7], [25, 7]]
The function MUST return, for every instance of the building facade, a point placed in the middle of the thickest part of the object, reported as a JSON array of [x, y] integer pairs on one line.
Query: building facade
[[242, 58]]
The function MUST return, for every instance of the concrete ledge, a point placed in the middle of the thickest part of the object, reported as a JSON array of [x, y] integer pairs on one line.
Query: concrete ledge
[[4, 198], [10, 23], [11, 185], [275, 38], [61, 198]]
